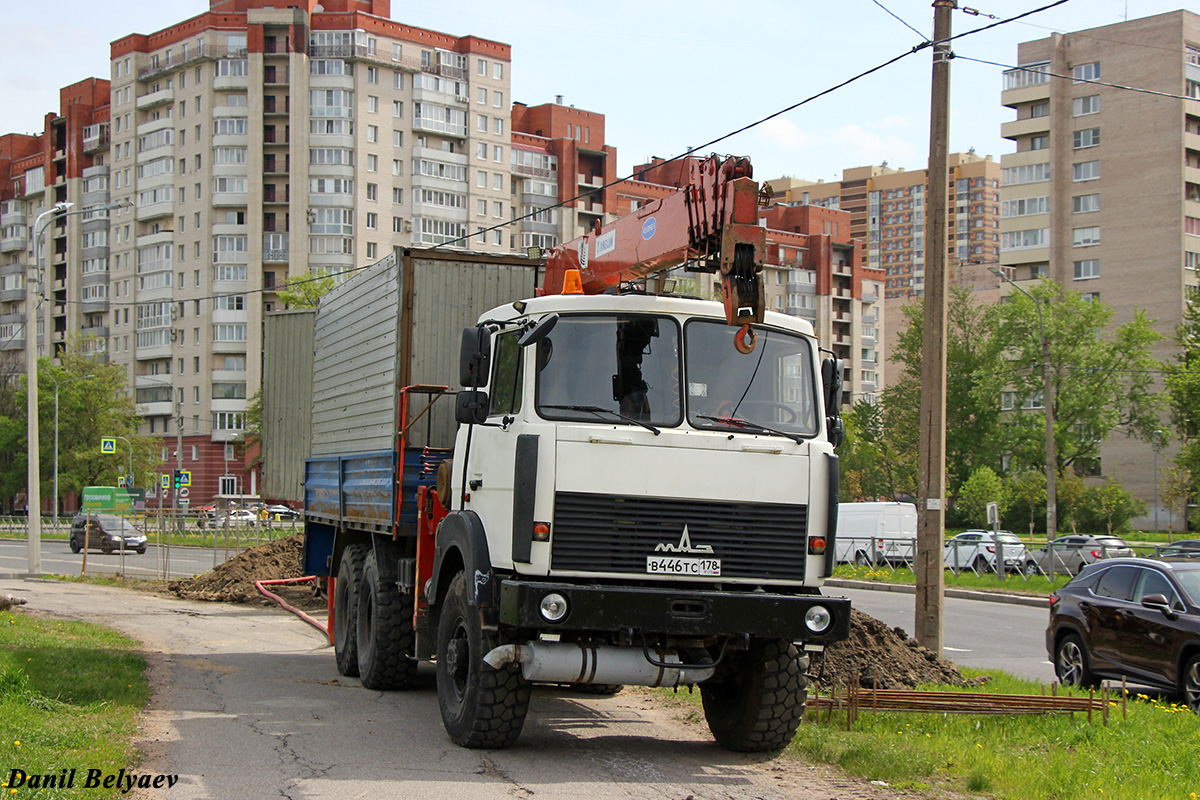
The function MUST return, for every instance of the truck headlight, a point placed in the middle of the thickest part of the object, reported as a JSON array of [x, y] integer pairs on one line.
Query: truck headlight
[[818, 619], [553, 607]]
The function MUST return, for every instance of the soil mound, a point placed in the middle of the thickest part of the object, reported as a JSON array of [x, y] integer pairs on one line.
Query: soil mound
[[885, 658], [875, 653], [233, 581]]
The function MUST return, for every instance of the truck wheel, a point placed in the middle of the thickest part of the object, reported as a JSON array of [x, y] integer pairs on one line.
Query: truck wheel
[[481, 707], [759, 700], [385, 637], [345, 609]]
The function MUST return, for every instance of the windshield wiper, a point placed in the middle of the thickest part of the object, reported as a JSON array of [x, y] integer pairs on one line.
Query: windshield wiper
[[737, 422], [617, 414]]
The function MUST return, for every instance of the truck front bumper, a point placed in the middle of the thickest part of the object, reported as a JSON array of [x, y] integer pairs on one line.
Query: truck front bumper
[[672, 612]]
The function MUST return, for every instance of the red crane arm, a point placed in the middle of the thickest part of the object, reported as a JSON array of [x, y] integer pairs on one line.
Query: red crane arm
[[711, 223]]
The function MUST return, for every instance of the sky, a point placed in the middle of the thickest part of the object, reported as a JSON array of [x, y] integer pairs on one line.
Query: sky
[[667, 75]]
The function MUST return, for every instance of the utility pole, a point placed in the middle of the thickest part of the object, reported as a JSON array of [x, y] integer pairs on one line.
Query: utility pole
[[175, 510], [931, 489]]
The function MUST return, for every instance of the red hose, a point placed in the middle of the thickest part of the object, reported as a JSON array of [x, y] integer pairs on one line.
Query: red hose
[[310, 620]]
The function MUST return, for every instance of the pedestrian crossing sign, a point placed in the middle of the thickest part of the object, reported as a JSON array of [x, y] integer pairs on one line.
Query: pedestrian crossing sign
[[108, 446]]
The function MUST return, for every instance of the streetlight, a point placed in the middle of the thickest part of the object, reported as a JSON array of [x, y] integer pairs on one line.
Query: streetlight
[[33, 493], [129, 444], [1048, 402], [56, 385], [1155, 446]]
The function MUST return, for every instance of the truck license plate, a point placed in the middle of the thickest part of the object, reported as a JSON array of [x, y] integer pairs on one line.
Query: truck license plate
[[709, 567]]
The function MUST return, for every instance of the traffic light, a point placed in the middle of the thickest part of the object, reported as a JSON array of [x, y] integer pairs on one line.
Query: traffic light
[[176, 478]]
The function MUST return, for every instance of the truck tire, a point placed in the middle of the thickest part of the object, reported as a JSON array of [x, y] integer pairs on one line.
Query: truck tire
[[384, 637], [756, 701], [345, 609], [481, 707]]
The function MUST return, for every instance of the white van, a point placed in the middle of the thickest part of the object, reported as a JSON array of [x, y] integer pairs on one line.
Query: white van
[[875, 533]]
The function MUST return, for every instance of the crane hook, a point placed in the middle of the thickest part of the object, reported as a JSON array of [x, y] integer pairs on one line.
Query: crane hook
[[745, 339]]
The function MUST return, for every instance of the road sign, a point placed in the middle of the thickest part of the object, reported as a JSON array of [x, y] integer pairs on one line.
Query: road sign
[[165, 480], [121, 481], [185, 478], [184, 501], [183, 492], [108, 446]]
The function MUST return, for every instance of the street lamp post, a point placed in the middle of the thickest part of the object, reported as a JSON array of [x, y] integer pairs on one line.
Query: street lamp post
[[33, 493], [1048, 402], [1154, 445], [129, 479], [56, 385]]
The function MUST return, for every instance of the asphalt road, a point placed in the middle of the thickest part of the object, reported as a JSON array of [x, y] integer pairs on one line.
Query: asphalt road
[[975, 633], [57, 559], [248, 703]]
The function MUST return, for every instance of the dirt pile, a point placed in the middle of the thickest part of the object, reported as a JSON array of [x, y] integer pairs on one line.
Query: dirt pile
[[883, 656], [874, 652], [233, 581]]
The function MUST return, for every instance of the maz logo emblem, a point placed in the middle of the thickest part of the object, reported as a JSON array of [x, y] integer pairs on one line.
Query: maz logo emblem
[[685, 545]]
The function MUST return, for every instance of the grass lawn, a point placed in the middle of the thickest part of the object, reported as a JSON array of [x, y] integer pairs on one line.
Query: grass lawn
[[1151, 755], [70, 694]]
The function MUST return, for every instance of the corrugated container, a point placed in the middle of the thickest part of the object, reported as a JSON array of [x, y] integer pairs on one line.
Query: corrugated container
[[287, 402], [394, 324]]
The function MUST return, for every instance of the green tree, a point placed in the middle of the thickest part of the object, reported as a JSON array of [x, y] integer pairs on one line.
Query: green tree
[[1115, 503], [983, 487], [1103, 382], [871, 467], [93, 403], [1027, 495], [1071, 490], [303, 291], [1176, 487], [973, 384], [1183, 393]]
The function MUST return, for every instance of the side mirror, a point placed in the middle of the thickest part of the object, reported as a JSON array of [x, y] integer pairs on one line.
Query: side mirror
[[538, 331], [474, 357], [831, 382], [1157, 602], [471, 407]]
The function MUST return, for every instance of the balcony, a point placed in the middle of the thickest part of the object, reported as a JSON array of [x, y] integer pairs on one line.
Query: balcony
[[275, 75], [535, 172], [160, 66], [229, 198], [13, 243], [96, 137], [1023, 127], [272, 105], [155, 210], [155, 99], [231, 83], [591, 181], [277, 195]]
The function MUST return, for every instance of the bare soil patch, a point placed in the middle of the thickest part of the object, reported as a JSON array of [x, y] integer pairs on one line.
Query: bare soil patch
[[874, 653]]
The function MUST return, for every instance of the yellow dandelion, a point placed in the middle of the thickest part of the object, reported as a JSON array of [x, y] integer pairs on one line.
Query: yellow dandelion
[[17, 743]]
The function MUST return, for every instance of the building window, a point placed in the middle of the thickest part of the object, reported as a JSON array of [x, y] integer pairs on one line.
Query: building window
[[1024, 206], [1082, 106], [1039, 110], [1028, 173], [373, 192], [1089, 268], [481, 123], [1084, 203], [372, 221], [1086, 72], [1039, 142], [1086, 171], [1026, 239], [498, 71], [1088, 137], [481, 96], [1008, 401], [372, 163], [372, 250], [1087, 237], [397, 196], [1191, 260]]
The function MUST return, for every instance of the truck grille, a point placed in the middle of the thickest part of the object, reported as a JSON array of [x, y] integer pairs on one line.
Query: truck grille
[[609, 533]]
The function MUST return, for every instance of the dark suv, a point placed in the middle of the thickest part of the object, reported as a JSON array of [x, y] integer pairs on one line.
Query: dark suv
[[1134, 618], [107, 531]]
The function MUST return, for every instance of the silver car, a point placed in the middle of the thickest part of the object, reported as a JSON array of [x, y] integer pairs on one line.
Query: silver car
[[1072, 553], [977, 551]]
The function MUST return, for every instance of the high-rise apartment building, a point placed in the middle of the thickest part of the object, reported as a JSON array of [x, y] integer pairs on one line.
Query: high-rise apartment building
[[248, 145], [887, 213], [1103, 192]]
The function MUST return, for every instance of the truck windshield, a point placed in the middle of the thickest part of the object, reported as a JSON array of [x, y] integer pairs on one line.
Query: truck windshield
[[626, 365], [771, 387]]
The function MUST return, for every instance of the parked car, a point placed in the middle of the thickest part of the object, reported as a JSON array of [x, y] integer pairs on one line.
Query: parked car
[[876, 533], [976, 550], [1132, 618], [280, 512], [1073, 553], [105, 531], [237, 517], [1184, 548]]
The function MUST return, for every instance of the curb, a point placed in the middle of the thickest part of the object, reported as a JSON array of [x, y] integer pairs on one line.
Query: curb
[[1035, 601]]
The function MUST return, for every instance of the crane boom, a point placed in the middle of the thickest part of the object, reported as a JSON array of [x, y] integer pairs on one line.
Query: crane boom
[[710, 224]]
